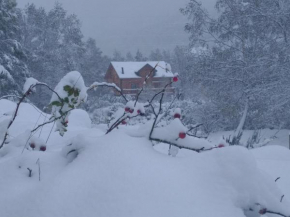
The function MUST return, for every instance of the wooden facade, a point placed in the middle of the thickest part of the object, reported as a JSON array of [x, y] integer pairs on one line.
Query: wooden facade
[[133, 85]]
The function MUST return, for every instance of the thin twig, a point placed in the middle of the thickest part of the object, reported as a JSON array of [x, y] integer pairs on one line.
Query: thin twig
[[176, 145], [145, 80], [39, 171], [30, 172], [107, 85], [276, 213], [18, 105], [119, 121], [282, 198], [49, 132], [51, 121]]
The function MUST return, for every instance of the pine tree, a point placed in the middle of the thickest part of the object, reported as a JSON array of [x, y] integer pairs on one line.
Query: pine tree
[[94, 65], [139, 56], [129, 57], [156, 55], [55, 45], [13, 69], [117, 56]]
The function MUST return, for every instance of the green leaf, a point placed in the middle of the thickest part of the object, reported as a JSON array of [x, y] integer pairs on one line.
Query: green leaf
[[67, 88], [76, 92], [56, 103], [71, 92]]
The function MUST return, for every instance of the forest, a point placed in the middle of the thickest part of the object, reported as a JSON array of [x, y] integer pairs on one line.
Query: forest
[[76, 145]]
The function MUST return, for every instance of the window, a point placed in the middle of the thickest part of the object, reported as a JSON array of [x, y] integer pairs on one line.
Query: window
[[133, 86]]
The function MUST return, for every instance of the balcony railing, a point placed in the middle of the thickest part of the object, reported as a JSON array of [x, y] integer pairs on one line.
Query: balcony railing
[[135, 91]]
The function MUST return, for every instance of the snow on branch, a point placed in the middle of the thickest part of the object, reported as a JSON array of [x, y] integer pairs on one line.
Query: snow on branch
[[72, 92], [96, 84], [105, 84], [175, 134], [9, 96], [28, 92], [131, 111], [4, 72], [28, 83], [60, 98], [257, 210]]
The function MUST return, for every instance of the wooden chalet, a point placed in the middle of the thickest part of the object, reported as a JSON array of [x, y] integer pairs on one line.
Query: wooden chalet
[[130, 76]]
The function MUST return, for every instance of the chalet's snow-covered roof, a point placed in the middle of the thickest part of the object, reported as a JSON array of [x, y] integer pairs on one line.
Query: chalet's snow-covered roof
[[163, 69]]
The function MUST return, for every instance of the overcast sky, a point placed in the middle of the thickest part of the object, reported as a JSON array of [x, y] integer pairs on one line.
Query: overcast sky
[[128, 25]]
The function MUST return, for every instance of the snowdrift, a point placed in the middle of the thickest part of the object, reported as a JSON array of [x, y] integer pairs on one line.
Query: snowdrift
[[120, 175]]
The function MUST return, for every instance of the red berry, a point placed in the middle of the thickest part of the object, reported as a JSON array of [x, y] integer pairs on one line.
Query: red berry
[[127, 109], [263, 211], [32, 145], [131, 110], [138, 111], [66, 122], [177, 115], [124, 122], [175, 79], [182, 135], [221, 145], [42, 148]]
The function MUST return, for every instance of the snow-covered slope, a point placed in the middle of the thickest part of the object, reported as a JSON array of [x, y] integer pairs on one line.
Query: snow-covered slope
[[120, 175]]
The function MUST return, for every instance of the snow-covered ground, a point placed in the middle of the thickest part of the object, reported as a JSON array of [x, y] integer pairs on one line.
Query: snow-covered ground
[[87, 173]]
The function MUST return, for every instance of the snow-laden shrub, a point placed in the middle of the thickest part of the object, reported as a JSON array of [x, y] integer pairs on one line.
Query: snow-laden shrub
[[133, 111], [79, 118], [104, 114], [71, 91]]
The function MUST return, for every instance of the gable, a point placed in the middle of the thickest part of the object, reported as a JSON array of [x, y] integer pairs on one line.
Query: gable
[[111, 75], [146, 70], [109, 70]]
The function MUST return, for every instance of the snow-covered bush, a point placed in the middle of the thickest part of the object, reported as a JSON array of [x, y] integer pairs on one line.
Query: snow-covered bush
[[104, 115], [69, 93]]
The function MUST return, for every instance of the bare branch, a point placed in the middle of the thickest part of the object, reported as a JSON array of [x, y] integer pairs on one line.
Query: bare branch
[[119, 121], [176, 145], [146, 78], [27, 93], [104, 84], [282, 198], [276, 213], [51, 121]]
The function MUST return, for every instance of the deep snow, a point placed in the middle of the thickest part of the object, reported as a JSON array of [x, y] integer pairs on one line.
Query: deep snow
[[122, 175]]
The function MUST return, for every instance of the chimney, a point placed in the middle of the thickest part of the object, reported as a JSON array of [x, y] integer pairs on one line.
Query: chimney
[[122, 70]]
